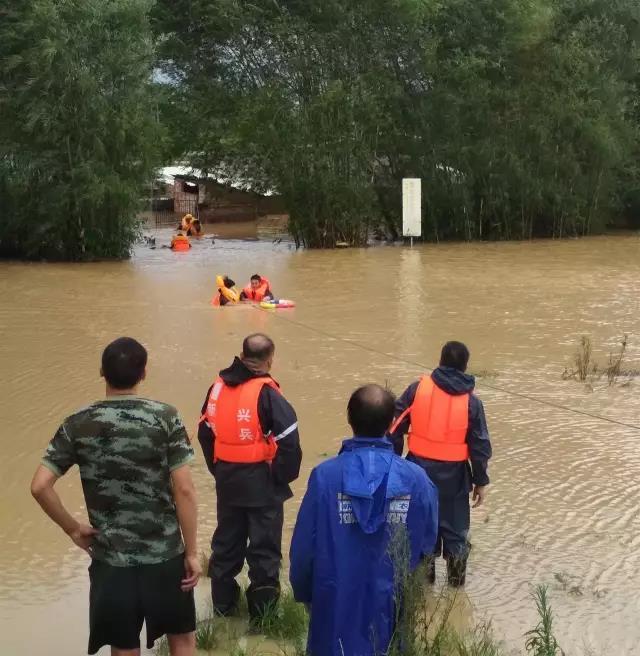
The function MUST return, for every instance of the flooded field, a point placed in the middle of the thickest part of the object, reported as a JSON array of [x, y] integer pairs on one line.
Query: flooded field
[[564, 505]]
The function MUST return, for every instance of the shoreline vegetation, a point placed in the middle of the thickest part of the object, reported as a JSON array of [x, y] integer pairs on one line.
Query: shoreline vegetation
[[586, 369], [433, 622], [426, 630], [521, 118]]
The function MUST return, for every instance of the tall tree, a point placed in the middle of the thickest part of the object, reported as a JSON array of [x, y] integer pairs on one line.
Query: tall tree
[[78, 128], [520, 116]]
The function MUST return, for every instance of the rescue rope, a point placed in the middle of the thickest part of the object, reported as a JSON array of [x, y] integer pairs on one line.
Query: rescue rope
[[496, 388]]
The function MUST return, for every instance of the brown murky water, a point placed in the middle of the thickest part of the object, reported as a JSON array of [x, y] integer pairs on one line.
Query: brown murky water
[[564, 507]]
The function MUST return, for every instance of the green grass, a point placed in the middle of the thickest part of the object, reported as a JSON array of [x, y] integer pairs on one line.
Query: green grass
[[206, 634], [162, 647], [238, 651], [424, 628], [480, 642], [206, 637], [285, 620]]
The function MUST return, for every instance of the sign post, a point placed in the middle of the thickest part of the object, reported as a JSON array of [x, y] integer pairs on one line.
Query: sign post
[[411, 208]]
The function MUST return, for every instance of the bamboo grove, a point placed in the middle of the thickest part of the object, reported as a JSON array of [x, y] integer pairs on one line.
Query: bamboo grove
[[520, 116]]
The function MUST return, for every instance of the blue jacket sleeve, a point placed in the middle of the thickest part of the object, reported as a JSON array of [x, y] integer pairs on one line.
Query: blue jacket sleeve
[[429, 502], [303, 543], [478, 442]]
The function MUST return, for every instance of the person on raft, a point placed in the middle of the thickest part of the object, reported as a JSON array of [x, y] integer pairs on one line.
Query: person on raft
[[227, 293], [185, 222], [180, 241], [195, 229], [257, 290]]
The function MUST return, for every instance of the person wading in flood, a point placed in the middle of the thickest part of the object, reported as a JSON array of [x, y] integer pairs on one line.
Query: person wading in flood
[[249, 436], [449, 439], [133, 456], [357, 516]]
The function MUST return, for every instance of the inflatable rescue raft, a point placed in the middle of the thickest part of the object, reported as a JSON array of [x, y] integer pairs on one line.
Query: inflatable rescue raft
[[277, 304]]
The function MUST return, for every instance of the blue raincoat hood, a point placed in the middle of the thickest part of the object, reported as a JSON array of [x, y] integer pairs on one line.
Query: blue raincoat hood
[[365, 479]]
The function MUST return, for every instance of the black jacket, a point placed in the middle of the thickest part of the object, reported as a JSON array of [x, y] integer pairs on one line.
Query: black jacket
[[256, 484], [451, 478]]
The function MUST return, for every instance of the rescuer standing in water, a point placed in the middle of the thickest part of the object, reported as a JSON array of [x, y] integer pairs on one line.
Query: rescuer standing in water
[[249, 437], [449, 439]]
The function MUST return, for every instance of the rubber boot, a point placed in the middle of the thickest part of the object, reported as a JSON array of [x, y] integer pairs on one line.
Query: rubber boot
[[456, 571], [262, 601], [225, 597], [430, 569]]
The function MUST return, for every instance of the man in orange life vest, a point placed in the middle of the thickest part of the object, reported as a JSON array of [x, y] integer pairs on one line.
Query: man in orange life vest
[[449, 439], [257, 290], [180, 242], [249, 437]]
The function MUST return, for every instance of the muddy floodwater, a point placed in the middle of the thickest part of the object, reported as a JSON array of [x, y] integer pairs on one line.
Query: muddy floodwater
[[564, 505]]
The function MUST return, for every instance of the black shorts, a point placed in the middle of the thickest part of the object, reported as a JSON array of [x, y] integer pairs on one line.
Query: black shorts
[[121, 598]]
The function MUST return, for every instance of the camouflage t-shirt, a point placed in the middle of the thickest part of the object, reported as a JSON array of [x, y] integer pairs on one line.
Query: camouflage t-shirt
[[126, 448]]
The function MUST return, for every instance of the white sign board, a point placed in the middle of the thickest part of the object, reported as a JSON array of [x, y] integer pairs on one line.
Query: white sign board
[[411, 207]]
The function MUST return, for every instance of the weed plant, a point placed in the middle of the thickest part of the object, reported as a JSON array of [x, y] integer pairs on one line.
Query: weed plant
[[586, 368], [284, 620], [206, 634], [540, 640], [614, 366]]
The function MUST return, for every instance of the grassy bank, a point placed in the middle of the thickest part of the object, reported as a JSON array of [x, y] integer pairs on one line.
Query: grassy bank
[[426, 629], [282, 631]]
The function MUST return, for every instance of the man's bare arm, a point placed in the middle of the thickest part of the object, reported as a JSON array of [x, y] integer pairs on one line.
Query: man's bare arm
[[184, 495], [42, 489]]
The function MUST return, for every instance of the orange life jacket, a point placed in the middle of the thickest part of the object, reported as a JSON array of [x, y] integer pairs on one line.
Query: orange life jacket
[[258, 294], [231, 294], [232, 414], [180, 243], [186, 222], [439, 423]]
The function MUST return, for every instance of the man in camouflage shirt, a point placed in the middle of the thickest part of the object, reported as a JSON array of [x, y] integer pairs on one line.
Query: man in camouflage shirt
[[132, 455]]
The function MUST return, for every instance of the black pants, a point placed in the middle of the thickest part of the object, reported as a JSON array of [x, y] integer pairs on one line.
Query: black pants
[[453, 527], [254, 534]]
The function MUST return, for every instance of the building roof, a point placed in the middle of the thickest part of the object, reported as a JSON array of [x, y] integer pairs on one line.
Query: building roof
[[168, 174]]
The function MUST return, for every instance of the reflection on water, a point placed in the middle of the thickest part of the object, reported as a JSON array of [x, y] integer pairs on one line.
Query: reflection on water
[[563, 508]]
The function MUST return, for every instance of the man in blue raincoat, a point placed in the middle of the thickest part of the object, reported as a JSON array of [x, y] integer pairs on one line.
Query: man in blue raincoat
[[340, 552]]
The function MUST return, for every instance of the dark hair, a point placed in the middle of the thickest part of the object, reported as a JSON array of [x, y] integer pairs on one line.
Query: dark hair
[[455, 355], [228, 283], [256, 276], [123, 363], [370, 411], [258, 347]]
